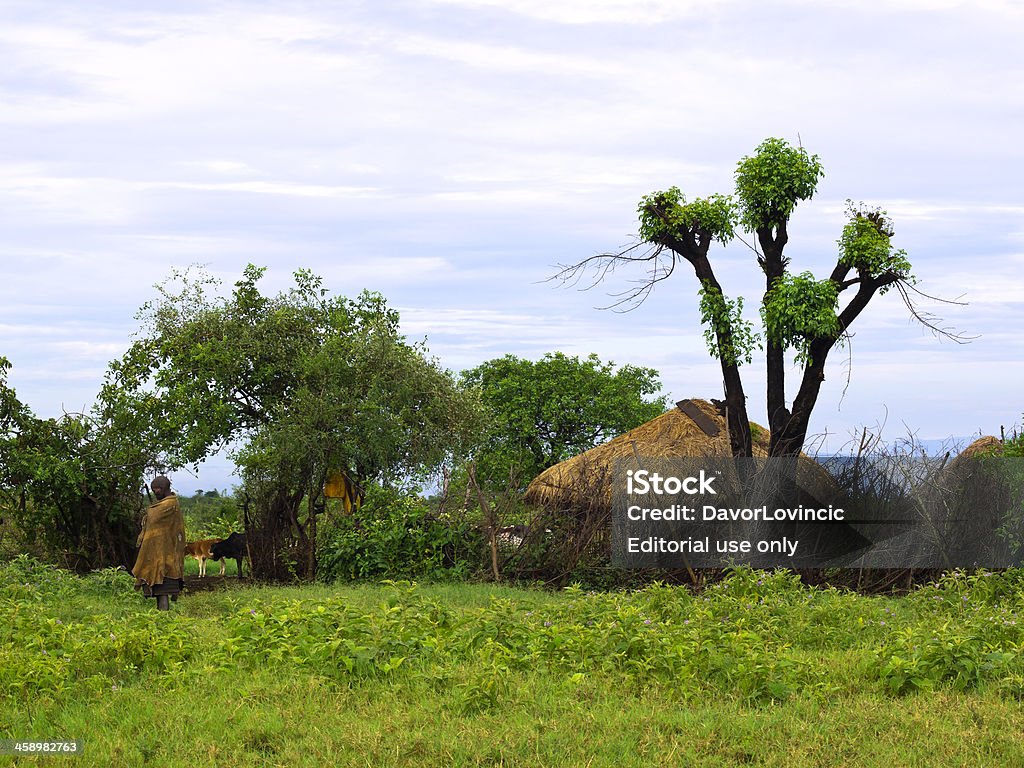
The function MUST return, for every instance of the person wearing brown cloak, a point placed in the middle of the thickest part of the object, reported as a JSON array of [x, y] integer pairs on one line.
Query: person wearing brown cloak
[[160, 566]]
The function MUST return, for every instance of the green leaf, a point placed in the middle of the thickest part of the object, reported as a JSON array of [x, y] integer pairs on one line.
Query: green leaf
[[771, 183]]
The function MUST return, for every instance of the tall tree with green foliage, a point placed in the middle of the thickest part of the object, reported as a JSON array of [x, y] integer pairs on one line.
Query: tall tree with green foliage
[[301, 383], [546, 411], [801, 315], [72, 484]]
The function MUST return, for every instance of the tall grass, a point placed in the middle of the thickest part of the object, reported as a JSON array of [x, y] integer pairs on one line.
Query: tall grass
[[758, 669]]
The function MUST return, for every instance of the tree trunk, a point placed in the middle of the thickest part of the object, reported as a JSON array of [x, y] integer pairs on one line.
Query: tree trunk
[[794, 433], [774, 266], [490, 520], [735, 400], [274, 535]]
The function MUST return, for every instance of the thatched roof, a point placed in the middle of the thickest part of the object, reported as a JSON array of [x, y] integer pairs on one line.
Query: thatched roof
[[965, 462], [674, 434], [983, 446]]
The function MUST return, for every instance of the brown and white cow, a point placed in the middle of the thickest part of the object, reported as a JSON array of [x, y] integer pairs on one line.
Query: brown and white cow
[[202, 551]]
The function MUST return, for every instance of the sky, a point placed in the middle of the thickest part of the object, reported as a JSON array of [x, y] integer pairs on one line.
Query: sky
[[452, 153]]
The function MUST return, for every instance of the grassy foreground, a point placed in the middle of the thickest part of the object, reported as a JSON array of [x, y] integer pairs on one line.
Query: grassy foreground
[[758, 670]]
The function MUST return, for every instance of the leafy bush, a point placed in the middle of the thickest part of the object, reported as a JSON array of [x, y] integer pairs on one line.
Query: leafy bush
[[69, 487], [396, 536], [1014, 445], [969, 632], [48, 645], [756, 636], [210, 515]]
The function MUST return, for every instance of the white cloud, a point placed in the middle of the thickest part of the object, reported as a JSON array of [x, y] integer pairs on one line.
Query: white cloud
[[265, 188], [172, 64], [449, 156], [226, 167], [88, 350], [92, 199], [482, 56], [29, 330], [996, 7], [639, 12], [934, 209], [648, 13], [121, 200], [392, 269]]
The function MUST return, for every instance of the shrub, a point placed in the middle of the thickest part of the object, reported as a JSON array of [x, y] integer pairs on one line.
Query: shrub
[[395, 535], [210, 515]]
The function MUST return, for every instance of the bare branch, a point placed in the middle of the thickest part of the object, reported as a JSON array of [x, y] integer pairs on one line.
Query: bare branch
[[751, 247], [928, 296], [847, 337], [661, 263], [928, 320]]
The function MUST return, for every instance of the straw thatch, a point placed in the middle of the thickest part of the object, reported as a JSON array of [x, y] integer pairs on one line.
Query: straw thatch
[[983, 446], [969, 499], [964, 464], [585, 479], [965, 470]]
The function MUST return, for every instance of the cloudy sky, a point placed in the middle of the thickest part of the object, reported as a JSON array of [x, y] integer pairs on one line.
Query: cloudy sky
[[450, 153]]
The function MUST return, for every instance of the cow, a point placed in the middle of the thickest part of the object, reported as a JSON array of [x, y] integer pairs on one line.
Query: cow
[[201, 551], [234, 546]]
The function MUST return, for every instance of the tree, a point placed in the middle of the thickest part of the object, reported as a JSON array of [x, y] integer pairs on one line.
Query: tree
[[800, 314], [72, 484], [210, 514], [1014, 445], [302, 384], [547, 411]]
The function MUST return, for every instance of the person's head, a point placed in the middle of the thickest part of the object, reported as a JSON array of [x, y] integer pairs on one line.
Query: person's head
[[161, 487]]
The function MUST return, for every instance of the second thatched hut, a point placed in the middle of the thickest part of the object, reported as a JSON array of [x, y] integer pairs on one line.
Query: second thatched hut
[[693, 429], [575, 496]]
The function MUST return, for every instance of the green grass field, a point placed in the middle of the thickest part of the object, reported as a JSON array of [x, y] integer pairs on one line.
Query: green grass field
[[758, 670], [212, 568]]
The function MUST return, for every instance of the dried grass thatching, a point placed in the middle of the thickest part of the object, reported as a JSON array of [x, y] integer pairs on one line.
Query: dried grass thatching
[[964, 469], [963, 465], [585, 479], [983, 446], [967, 500], [575, 497]]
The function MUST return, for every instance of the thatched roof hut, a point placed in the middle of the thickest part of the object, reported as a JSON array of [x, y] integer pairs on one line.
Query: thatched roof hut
[[983, 446], [693, 429], [967, 502], [966, 468], [966, 462], [576, 496]]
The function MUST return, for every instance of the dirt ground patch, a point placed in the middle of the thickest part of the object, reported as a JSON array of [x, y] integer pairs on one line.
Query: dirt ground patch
[[195, 584]]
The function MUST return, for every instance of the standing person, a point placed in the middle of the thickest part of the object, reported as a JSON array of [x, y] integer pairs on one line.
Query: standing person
[[160, 566]]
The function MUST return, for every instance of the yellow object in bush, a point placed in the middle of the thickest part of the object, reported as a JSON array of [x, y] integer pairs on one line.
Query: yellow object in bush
[[340, 486]]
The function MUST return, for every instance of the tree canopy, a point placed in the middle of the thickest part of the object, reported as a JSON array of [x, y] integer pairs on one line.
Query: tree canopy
[[72, 484], [546, 411], [302, 383], [800, 314]]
